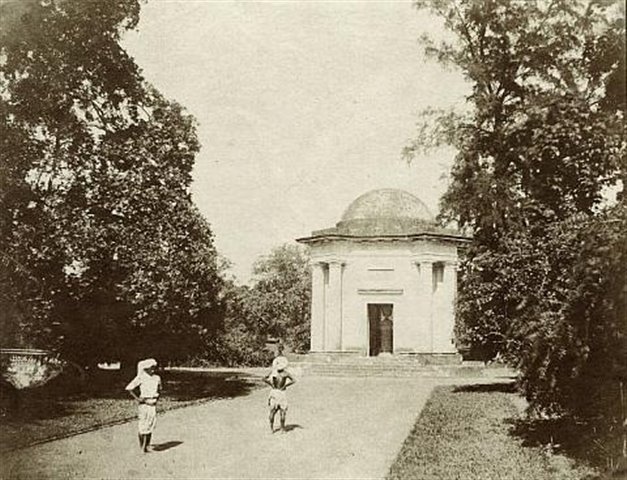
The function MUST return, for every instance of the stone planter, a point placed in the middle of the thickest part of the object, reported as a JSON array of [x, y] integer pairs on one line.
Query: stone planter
[[28, 368]]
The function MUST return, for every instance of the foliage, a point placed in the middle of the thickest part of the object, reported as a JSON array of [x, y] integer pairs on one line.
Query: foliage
[[104, 254], [275, 306], [573, 340], [239, 342], [278, 302], [537, 142], [541, 140], [561, 296]]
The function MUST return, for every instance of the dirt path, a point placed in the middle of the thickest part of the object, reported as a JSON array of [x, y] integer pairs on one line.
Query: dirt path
[[339, 428]]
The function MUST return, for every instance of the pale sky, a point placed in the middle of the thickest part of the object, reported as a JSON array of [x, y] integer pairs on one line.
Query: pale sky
[[302, 107]]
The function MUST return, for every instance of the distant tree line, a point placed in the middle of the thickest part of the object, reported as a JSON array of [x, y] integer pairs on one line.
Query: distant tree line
[[275, 307], [543, 284]]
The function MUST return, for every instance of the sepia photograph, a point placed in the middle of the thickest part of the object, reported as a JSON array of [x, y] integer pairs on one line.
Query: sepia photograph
[[313, 239]]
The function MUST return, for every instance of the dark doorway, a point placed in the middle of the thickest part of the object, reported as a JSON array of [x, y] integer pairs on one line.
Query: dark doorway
[[381, 326]]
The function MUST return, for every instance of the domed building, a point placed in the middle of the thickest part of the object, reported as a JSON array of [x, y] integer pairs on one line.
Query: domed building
[[384, 280]]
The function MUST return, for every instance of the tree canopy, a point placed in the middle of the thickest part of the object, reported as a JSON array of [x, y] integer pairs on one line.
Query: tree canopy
[[104, 254], [540, 142], [543, 134]]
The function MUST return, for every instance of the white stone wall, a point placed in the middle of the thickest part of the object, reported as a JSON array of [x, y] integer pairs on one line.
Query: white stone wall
[[349, 275]]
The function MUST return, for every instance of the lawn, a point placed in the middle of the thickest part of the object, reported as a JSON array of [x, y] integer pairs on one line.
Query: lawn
[[468, 433], [66, 406]]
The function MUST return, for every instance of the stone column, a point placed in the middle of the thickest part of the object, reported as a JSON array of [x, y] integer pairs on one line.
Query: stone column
[[317, 307], [449, 286], [426, 297], [333, 319]]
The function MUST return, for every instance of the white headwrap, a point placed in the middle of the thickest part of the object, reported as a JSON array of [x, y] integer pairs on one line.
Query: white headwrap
[[279, 363], [142, 365]]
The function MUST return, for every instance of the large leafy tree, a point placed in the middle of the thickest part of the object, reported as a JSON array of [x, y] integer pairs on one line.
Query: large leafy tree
[[543, 133], [541, 140], [104, 254]]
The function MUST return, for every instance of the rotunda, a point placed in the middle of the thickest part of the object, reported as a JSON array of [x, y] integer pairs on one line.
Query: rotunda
[[384, 279]]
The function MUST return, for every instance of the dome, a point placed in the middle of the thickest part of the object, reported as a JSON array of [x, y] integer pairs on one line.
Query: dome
[[387, 211], [387, 203], [382, 215]]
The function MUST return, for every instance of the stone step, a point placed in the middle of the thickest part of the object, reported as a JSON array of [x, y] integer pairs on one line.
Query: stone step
[[387, 366], [412, 360], [346, 370]]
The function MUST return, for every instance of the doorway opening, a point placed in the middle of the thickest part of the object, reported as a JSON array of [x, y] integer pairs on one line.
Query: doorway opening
[[381, 327]]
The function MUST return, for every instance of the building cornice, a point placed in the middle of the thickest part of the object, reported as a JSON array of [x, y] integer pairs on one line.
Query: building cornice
[[443, 237]]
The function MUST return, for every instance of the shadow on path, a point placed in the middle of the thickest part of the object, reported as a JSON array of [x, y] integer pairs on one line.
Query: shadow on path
[[595, 441], [65, 396], [503, 387], [162, 447], [65, 406], [294, 426]]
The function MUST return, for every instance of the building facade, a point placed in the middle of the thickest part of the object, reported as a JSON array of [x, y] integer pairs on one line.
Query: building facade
[[384, 279]]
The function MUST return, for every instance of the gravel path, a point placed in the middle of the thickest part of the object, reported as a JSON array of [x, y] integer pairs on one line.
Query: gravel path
[[339, 428]]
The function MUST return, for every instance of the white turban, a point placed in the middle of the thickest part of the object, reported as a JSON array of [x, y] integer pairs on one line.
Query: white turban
[[142, 365], [280, 363]]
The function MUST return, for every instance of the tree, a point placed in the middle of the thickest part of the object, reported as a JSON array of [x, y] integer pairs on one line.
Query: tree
[[275, 306], [535, 142], [104, 253], [571, 335], [278, 302], [240, 341], [542, 138]]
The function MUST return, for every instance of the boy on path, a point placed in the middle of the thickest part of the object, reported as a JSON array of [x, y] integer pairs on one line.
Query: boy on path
[[279, 379], [149, 384]]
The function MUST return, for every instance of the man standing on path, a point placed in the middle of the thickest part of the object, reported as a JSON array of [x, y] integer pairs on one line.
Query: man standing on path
[[279, 379], [149, 384]]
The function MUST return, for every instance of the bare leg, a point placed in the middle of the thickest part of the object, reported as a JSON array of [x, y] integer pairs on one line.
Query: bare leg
[[283, 413], [272, 414]]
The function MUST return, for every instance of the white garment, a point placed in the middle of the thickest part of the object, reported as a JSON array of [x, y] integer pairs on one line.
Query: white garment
[[277, 399], [147, 415], [148, 385]]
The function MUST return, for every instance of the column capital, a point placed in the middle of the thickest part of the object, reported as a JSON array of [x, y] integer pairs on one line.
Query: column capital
[[451, 263], [424, 260], [336, 262]]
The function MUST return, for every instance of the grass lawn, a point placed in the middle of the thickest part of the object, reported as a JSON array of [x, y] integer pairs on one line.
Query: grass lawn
[[467, 433], [64, 406]]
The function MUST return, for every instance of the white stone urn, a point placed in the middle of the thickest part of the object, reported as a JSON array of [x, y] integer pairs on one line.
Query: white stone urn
[[29, 368]]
